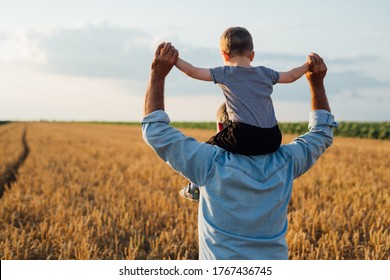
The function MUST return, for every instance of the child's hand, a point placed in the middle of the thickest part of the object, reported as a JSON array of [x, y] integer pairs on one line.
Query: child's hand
[[308, 63]]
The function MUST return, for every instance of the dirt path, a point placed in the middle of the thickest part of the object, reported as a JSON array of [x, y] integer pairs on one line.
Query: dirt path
[[9, 176]]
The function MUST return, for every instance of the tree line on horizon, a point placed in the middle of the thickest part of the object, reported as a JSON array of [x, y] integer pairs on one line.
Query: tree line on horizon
[[371, 130]]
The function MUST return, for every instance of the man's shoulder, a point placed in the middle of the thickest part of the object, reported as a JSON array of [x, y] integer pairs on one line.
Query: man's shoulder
[[156, 116], [259, 167]]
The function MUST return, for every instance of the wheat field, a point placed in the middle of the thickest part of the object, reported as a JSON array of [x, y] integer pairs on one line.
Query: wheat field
[[89, 191]]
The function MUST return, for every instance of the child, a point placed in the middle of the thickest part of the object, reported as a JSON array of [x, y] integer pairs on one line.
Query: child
[[254, 129]]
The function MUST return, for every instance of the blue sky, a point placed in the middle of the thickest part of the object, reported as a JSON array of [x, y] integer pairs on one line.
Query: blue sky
[[90, 60]]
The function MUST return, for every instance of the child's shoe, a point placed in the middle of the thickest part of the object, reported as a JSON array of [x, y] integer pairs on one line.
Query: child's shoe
[[190, 192]]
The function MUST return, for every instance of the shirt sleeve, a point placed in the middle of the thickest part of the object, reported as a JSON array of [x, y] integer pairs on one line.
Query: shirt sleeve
[[307, 148], [272, 74], [217, 74], [190, 158]]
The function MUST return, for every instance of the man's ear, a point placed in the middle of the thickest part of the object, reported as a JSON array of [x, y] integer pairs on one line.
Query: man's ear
[[220, 126]]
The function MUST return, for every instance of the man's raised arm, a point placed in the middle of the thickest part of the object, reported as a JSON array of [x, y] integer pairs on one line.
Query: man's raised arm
[[189, 157], [315, 76], [164, 59], [307, 148]]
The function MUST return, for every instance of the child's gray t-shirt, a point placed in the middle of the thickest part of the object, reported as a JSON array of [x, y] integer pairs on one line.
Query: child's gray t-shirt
[[248, 93]]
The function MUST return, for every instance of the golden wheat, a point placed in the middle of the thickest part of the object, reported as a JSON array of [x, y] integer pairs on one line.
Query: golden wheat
[[10, 144], [99, 192]]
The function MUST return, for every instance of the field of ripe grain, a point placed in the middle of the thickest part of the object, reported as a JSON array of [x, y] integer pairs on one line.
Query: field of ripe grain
[[12, 154], [88, 191]]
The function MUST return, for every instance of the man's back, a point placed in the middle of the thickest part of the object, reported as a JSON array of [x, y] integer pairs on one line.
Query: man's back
[[244, 199], [243, 206]]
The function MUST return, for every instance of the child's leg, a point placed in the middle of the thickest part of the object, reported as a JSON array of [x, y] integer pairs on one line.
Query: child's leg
[[241, 138], [225, 138], [265, 140]]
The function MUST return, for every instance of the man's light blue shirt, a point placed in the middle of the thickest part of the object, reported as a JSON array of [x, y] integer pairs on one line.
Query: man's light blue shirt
[[243, 199]]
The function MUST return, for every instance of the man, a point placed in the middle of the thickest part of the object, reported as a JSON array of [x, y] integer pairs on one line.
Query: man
[[244, 199]]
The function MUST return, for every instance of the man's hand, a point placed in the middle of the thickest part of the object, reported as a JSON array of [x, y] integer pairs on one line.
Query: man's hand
[[164, 59], [315, 76], [317, 69]]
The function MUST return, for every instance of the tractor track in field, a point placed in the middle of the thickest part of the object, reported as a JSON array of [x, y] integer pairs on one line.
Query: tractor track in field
[[9, 176]]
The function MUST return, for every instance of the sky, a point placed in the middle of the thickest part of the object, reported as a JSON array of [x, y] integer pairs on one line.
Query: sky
[[90, 60]]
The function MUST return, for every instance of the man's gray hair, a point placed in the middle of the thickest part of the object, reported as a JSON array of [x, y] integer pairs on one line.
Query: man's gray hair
[[222, 115]]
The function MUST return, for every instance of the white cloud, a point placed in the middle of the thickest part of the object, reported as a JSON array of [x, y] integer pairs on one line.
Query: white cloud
[[100, 49], [105, 50]]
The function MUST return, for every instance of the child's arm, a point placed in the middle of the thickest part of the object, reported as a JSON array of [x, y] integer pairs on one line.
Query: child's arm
[[192, 71], [294, 74]]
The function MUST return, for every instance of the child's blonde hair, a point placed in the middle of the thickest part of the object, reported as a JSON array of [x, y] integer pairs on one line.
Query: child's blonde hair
[[236, 41]]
